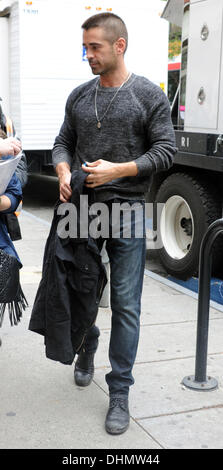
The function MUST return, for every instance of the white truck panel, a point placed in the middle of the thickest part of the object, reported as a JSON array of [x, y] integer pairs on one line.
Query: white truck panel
[[203, 67], [14, 67], [4, 82], [220, 103]]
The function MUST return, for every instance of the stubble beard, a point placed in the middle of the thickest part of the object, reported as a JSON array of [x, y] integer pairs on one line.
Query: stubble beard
[[107, 69]]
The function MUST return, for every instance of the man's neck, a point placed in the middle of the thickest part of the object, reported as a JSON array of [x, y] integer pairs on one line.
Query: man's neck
[[114, 79]]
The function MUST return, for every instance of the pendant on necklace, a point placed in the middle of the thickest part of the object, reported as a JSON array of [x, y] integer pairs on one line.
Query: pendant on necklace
[[99, 125]]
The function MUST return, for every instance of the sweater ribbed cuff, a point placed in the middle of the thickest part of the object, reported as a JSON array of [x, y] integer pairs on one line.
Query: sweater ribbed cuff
[[145, 166]]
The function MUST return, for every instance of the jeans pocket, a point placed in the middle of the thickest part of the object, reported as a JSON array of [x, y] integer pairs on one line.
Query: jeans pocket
[[130, 220]]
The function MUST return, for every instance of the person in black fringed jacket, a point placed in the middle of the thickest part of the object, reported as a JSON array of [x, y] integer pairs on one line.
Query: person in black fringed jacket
[[10, 200]]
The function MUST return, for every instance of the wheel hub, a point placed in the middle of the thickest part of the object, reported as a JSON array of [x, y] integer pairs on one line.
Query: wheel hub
[[177, 227], [186, 224]]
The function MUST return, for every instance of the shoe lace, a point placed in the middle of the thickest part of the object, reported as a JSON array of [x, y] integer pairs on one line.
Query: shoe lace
[[117, 401]]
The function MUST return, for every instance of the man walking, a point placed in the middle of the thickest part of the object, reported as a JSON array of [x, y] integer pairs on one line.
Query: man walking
[[119, 124]]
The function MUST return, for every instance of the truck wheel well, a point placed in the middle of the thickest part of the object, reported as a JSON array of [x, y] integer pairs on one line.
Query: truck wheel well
[[215, 178]]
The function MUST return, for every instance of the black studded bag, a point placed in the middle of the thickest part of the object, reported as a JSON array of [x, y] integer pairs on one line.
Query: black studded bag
[[11, 294]]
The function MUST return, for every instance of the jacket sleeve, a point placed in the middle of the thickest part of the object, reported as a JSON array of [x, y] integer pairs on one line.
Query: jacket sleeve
[[65, 142], [21, 170], [14, 193], [161, 138]]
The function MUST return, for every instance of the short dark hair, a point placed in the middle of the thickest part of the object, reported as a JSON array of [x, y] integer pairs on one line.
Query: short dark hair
[[113, 24]]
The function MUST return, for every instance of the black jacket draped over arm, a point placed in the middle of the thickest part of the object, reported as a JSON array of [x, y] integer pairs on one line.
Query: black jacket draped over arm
[[73, 279]]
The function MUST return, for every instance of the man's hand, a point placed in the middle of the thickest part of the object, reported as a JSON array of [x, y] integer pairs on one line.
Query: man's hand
[[64, 175], [10, 146], [102, 171]]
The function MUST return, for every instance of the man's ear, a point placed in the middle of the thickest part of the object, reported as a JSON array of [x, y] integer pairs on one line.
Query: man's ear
[[120, 45]]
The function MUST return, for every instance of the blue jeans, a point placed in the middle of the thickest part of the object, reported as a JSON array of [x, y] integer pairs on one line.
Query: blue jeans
[[127, 262]]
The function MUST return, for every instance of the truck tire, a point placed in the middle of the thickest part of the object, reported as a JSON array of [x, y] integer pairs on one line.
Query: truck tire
[[190, 206]]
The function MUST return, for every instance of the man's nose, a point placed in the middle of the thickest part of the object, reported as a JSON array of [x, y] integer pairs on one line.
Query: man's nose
[[89, 53]]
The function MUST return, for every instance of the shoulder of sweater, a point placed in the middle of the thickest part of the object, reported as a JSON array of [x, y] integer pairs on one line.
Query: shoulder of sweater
[[150, 89], [82, 89]]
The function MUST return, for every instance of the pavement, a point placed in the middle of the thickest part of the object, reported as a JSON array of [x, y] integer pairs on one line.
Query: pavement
[[42, 408]]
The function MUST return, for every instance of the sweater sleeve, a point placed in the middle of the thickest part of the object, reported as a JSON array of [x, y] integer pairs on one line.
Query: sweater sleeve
[[161, 138], [65, 142]]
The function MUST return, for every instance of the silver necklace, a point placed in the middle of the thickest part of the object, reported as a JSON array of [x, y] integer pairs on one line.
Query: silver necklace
[[95, 103]]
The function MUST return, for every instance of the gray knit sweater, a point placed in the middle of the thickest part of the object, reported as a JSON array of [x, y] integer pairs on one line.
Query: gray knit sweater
[[136, 127]]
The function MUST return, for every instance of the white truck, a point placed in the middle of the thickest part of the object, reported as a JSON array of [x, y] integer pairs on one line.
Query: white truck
[[192, 190], [42, 59]]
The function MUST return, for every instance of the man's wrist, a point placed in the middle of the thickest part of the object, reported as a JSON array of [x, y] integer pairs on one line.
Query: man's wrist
[[62, 169], [126, 169]]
